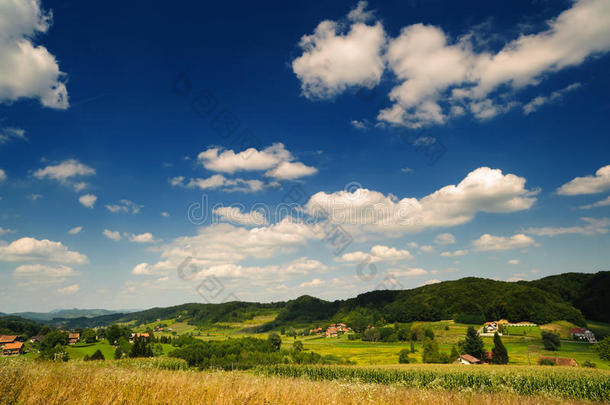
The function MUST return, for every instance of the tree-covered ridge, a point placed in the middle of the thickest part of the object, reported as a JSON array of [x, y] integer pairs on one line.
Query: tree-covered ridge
[[570, 296]]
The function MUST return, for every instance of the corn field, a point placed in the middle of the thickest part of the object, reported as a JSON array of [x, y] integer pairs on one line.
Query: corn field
[[563, 382]]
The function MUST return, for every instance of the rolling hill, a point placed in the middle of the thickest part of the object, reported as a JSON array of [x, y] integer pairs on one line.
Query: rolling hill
[[571, 296]]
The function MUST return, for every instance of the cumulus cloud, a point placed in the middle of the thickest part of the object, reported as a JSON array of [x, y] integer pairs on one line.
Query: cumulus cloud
[[69, 290], [460, 252], [28, 70], [146, 237], [513, 261], [592, 226], [378, 253], [66, 172], [2, 175], [76, 230], [489, 242], [427, 248], [313, 283], [408, 272], [236, 216], [598, 183], [444, 239], [218, 181], [441, 78], [276, 160], [30, 249], [42, 270], [114, 235], [88, 200], [337, 56], [483, 190], [124, 206]]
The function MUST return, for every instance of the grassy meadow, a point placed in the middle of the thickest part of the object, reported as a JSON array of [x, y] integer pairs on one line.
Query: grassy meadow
[[133, 382]]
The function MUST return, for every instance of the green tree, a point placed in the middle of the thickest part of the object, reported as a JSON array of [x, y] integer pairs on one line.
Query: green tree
[[89, 336], [297, 346], [473, 345], [550, 341], [499, 354], [403, 357], [53, 339], [115, 332], [603, 349], [431, 353], [275, 340], [141, 348], [98, 355], [429, 333], [454, 354], [118, 353], [413, 347]]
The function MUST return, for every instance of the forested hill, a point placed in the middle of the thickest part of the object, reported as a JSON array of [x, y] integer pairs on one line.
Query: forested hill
[[570, 296]]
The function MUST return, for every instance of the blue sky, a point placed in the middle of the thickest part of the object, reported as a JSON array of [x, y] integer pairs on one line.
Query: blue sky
[[433, 140]]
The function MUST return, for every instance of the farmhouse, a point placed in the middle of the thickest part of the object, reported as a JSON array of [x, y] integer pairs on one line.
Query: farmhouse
[[336, 328], [12, 349], [138, 335], [331, 332], [73, 338], [559, 361], [468, 359], [491, 327], [317, 331], [583, 334], [5, 339]]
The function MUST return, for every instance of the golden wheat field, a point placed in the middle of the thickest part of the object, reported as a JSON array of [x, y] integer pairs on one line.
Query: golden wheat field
[[27, 382]]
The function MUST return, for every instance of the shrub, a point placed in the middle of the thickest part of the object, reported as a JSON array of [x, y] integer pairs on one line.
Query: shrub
[[546, 362], [403, 357], [550, 341], [589, 364]]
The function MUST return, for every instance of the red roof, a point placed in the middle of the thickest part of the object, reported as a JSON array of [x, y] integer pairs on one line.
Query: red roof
[[16, 345], [469, 358], [578, 330], [8, 338]]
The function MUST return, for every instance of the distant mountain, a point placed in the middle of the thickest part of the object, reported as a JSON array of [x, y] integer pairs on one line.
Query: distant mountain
[[64, 314], [571, 296]]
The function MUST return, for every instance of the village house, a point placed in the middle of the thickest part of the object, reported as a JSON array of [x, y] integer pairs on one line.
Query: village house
[[316, 331], [559, 361], [468, 359], [36, 339], [491, 327], [6, 339], [335, 329], [138, 335], [583, 334], [73, 338], [331, 331], [12, 349]]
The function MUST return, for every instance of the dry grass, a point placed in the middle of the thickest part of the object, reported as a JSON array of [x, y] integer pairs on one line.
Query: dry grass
[[23, 382]]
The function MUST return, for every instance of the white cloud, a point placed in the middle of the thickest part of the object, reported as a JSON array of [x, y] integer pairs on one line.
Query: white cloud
[[6, 134], [69, 290], [236, 216], [146, 237], [2, 175], [588, 184], [41, 270], [602, 203], [114, 235], [30, 249], [483, 190], [276, 160], [539, 101], [407, 170], [34, 197], [409, 272], [165, 214], [336, 57], [75, 230], [313, 283], [441, 78], [513, 261], [88, 200], [64, 170], [430, 282], [218, 181], [378, 253], [455, 253], [444, 239], [303, 265], [489, 242], [359, 124], [28, 70], [124, 206], [427, 248], [593, 226], [291, 171]]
